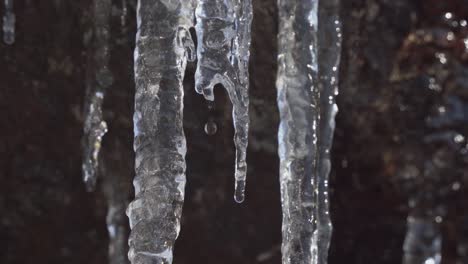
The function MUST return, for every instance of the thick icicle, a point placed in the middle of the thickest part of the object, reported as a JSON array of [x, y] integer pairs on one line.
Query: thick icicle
[[223, 32], [99, 79], [163, 45], [423, 241], [307, 107], [9, 20]]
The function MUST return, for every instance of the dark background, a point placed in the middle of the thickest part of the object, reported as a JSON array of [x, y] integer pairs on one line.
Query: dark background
[[387, 112]]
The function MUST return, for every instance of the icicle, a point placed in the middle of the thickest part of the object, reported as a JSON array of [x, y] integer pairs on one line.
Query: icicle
[[163, 46], [329, 55], [307, 107], [99, 79], [116, 194], [423, 241], [9, 20], [223, 32]]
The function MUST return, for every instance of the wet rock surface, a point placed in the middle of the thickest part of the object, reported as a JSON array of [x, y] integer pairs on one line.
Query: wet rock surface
[[399, 149]]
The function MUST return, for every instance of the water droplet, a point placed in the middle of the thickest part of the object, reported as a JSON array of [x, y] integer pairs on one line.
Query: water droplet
[[210, 105], [211, 128]]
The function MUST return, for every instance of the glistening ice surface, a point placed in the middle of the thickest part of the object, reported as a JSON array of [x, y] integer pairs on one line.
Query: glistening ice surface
[[309, 48], [223, 33]]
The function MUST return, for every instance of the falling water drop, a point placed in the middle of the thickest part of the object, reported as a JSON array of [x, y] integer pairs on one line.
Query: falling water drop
[[210, 127]]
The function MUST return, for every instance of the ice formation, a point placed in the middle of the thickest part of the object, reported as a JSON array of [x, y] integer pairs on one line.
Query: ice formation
[[163, 46], [309, 54], [9, 21], [99, 79], [223, 33]]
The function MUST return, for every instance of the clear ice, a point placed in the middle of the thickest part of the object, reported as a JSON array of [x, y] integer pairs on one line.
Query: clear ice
[[223, 33], [163, 46], [9, 21], [307, 82], [99, 79]]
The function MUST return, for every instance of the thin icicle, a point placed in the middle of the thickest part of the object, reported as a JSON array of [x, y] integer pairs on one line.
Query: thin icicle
[[9, 21], [223, 32], [99, 79], [116, 194], [307, 107], [163, 46], [329, 55], [423, 242]]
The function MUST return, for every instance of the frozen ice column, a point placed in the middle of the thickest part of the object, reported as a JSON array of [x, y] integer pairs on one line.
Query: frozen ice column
[[307, 83], [223, 33], [329, 56], [299, 107], [163, 45]]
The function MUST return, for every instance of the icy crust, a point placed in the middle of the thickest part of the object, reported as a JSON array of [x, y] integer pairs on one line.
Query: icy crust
[[309, 48], [163, 45], [99, 80], [223, 33]]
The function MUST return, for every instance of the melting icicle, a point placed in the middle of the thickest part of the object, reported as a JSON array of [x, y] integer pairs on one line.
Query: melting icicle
[[99, 79], [423, 242], [163, 46], [9, 23], [307, 107], [223, 32]]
